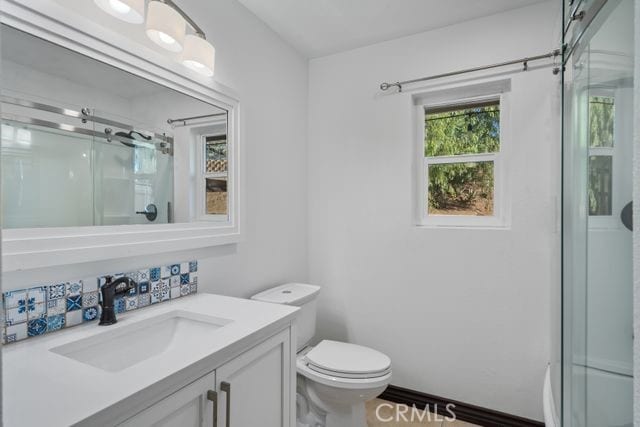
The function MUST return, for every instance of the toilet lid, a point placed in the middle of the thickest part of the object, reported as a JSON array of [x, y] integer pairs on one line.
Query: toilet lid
[[347, 359]]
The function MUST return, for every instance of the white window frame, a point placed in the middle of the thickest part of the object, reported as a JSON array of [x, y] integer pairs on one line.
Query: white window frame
[[500, 217]]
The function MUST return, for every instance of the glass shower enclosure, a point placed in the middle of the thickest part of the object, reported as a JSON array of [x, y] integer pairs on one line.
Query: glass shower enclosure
[[66, 166], [597, 308]]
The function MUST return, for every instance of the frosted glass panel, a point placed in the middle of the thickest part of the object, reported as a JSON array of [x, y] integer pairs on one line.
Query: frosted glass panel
[[46, 178]]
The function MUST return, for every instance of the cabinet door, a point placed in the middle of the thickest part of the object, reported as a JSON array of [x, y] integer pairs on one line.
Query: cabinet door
[[258, 387], [188, 407]]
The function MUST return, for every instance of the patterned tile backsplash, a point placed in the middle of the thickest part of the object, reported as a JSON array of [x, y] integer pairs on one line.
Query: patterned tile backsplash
[[48, 308]]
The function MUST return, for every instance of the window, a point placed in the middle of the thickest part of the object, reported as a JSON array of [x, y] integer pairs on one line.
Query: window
[[461, 145], [601, 155], [215, 176]]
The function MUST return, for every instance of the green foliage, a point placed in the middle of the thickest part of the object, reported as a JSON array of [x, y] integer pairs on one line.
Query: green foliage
[[601, 134], [217, 150], [462, 186], [601, 121]]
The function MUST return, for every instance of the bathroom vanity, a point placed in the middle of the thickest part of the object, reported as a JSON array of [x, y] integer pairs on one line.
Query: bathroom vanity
[[203, 360]]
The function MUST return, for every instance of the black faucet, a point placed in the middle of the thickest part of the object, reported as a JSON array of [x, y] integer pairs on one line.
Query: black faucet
[[109, 290]]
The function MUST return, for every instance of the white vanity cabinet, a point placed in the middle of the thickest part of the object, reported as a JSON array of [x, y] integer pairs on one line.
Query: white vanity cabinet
[[256, 388]]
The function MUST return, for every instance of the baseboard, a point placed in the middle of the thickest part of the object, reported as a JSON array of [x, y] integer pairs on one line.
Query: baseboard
[[463, 411]]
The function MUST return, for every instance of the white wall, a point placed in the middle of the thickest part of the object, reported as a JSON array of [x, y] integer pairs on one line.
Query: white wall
[[463, 313], [270, 79]]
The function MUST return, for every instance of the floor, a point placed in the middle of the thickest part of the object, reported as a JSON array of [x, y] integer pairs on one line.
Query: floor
[[381, 413]]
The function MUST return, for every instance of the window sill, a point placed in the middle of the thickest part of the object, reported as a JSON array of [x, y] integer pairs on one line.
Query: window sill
[[505, 227]]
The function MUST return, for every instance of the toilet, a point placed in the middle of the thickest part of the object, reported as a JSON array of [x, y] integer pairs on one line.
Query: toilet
[[335, 379]]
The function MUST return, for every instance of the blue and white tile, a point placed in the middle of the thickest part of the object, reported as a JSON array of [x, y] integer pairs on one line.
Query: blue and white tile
[[36, 327], [16, 315], [89, 284], [37, 295], [90, 314], [57, 291], [119, 305], [90, 299], [56, 306], [155, 274], [73, 318], [175, 269], [193, 266], [74, 303], [16, 333], [144, 275], [144, 300], [174, 281], [133, 275], [194, 288], [184, 279], [15, 298], [185, 290], [131, 303], [193, 278], [55, 323], [36, 311], [166, 271], [133, 291], [143, 288], [184, 268], [175, 292], [74, 288], [165, 290]]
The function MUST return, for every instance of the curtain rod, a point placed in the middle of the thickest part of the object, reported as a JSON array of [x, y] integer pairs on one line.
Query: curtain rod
[[187, 119], [524, 61]]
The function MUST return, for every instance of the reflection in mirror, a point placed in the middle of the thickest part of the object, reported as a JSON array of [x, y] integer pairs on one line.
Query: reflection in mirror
[[88, 144]]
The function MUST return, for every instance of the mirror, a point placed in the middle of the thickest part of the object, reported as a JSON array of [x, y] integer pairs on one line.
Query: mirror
[[88, 144]]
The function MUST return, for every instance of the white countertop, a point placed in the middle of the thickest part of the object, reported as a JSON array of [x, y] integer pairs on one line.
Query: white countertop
[[42, 388]]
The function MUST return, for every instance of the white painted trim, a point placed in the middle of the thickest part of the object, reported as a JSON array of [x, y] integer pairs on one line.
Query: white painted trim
[[35, 248], [501, 217]]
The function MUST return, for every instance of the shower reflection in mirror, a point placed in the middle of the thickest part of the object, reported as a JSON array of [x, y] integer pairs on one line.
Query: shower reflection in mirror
[[101, 146]]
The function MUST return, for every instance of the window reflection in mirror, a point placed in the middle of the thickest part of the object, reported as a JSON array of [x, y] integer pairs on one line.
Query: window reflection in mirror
[[88, 144]]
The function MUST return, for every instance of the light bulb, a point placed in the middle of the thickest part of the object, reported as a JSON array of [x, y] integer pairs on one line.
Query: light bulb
[[166, 38], [193, 64], [119, 7], [131, 11]]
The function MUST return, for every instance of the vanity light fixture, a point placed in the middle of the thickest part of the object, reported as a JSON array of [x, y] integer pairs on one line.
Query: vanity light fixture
[[165, 25], [199, 55], [131, 11]]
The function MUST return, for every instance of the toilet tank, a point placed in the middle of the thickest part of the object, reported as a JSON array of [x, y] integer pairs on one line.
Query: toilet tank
[[299, 295]]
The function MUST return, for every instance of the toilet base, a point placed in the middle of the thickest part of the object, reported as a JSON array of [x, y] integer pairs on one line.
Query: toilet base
[[355, 417], [312, 411]]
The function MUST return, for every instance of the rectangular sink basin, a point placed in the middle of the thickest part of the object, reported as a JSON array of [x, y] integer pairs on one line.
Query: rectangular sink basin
[[116, 350]]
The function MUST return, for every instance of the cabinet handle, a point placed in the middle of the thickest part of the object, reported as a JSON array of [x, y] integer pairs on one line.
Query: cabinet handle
[[226, 387], [213, 396]]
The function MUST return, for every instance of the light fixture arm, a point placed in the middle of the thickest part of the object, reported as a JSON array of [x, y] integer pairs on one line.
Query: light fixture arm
[[186, 17]]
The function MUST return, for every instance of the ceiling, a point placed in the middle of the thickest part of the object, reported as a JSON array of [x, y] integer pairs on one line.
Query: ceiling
[[323, 27]]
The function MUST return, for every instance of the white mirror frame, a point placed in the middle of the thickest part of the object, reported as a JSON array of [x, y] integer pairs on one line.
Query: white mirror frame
[[44, 247]]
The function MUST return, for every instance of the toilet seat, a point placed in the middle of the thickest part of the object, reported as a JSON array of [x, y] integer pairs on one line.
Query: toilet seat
[[344, 365], [348, 360]]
